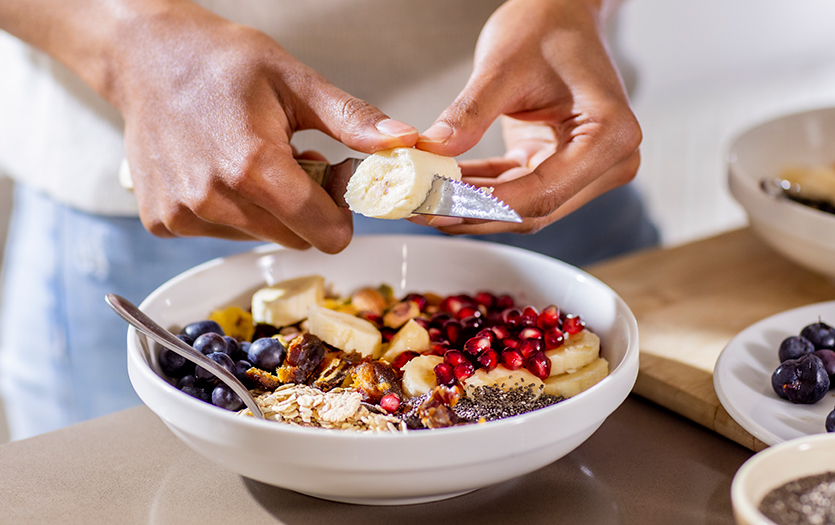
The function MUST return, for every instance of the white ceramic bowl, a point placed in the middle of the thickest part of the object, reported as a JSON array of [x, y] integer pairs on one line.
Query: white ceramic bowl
[[801, 233], [422, 465], [776, 466]]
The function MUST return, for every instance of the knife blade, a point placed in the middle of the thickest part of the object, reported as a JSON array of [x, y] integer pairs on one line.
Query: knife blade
[[447, 197]]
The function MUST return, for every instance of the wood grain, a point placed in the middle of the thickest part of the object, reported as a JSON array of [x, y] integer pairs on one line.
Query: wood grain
[[690, 301]]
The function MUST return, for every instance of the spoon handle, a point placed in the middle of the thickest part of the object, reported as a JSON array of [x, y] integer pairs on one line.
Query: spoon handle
[[136, 318]]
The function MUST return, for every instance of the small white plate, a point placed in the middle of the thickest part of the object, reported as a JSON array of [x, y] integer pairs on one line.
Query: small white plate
[[742, 378]]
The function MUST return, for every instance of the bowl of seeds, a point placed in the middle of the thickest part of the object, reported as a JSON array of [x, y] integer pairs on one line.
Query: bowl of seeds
[[792, 483]]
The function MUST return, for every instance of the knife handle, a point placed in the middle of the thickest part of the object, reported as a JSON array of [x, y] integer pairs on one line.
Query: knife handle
[[332, 177]]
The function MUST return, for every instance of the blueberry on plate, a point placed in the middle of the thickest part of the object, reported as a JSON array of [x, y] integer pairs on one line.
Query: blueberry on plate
[[793, 347], [820, 334], [830, 422], [801, 381]]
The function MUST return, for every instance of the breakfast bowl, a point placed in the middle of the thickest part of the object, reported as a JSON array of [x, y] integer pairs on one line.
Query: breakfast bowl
[[389, 468], [801, 233], [773, 468]]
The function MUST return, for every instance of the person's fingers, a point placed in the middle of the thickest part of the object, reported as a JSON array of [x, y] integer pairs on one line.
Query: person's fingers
[[352, 121], [466, 120], [620, 173]]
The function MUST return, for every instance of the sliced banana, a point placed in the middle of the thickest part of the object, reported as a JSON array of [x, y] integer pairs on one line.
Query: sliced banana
[[411, 337], [345, 331], [391, 184], [503, 378], [571, 384], [419, 375], [287, 302], [579, 350]]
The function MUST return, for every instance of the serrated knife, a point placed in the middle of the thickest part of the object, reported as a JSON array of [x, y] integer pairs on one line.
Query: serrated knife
[[447, 197]]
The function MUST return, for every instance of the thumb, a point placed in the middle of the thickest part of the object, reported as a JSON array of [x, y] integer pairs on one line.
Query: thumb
[[354, 122], [466, 120]]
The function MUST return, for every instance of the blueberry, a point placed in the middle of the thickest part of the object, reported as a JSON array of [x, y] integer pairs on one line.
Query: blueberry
[[220, 358], [793, 347], [185, 381], [801, 381], [195, 390], [827, 357], [173, 364], [232, 347], [196, 329], [267, 353], [820, 334], [240, 372], [210, 343], [224, 397], [830, 422]]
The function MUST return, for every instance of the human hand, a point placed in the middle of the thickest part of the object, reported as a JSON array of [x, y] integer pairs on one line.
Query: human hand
[[568, 128], [210, 108]]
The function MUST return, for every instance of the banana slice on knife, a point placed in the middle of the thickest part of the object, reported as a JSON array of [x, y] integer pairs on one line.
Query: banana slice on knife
[[391, 184]]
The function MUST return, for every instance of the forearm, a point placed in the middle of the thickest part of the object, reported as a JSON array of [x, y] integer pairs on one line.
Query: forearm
[[87, 36]]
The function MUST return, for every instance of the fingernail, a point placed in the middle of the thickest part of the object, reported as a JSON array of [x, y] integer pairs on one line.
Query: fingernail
[[395, 128], [440, 222], [439, 132]]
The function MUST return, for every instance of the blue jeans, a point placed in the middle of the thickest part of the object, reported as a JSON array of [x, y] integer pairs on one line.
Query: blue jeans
[[62, 350]]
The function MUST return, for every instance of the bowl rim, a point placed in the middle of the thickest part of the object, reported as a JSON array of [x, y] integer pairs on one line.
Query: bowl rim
[[627, 366], [740, 501]]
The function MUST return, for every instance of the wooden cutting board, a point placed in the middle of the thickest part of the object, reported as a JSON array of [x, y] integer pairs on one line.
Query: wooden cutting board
[[690, 301]]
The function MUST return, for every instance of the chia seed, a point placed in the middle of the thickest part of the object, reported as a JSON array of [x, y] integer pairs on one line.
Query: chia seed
[[488, 403], [805, 501]]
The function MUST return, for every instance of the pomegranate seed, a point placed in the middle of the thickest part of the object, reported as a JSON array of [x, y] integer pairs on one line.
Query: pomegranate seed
[[477, 345], [511, 342], [500, 331], [485, 299], [390, 403], [471, 324], [371, 317], [493, 318], [512, 359], [503, 302], [573, 324], [452, 331], [439, 348], [529, 316], [435, 334], [548, 318], [438, 319], [554, 338], [454, 358], [529, 332], [463, 370], [489, 359], [418, 299], [444, 374], [388, 333], [529, 347], [487, 333], [467, 311], [539, 365], [402, 359], [512, 318]]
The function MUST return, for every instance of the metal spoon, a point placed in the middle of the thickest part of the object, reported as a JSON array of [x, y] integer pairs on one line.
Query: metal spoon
[[136, 318]]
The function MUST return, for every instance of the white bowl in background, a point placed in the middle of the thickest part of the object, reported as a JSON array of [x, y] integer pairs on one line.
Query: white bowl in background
[[801, 233], [418, 466], [773, 468]]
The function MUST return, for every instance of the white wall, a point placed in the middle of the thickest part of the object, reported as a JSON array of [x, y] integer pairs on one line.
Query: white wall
[[706, 70]]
